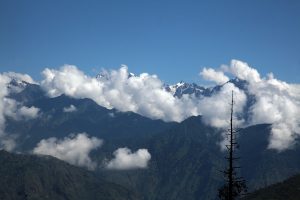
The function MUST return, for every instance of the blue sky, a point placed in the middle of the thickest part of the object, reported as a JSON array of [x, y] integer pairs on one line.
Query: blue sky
[[173, 39]]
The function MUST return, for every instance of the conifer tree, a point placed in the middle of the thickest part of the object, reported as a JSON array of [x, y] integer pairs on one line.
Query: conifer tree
[[235, 186]]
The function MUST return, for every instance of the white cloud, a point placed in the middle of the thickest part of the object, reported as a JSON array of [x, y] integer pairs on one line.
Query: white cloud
[[243, 71], [213, 75], [71, 108], [6, 142], [28, 112], [124, 159], [282, 136], [11, 108], [216, 108], [277, 102], [72, 82], [4, 80], [74, 149], [143, 94], [18, 112]]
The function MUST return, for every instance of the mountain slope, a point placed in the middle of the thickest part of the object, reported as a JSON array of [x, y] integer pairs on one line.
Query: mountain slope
[[286, 190], [32, 177], [186, 162], [185, 157], [89, 117]]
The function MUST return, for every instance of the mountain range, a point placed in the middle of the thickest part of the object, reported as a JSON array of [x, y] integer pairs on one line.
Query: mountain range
[[186, 157]]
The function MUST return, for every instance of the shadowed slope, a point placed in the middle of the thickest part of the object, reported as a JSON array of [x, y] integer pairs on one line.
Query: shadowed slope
[[33, 177]]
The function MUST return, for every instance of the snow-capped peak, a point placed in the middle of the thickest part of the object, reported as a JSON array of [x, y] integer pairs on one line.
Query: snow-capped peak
[[131, 75], [182, 88], [181, 83]]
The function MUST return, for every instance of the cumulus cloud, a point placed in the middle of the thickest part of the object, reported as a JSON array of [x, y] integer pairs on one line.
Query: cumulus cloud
[[212, 75], [216, 110], [143, 94], [276, 102], [28, 112], [17, 111], [71, 108], [244, 72], [74, 149], [124, 159]]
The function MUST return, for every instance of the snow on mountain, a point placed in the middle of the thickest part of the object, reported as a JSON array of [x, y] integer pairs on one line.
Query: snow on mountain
[[182, 88], [16, 86]]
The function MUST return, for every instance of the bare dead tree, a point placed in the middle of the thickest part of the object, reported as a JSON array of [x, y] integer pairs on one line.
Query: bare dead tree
[[235, 186]]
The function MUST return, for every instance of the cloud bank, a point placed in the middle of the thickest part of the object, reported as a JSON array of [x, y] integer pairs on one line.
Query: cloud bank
[[276, 103], [74, 149], [124, 159], [143, 94]]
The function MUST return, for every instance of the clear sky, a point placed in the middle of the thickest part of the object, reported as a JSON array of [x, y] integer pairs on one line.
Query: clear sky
[[173, 39]]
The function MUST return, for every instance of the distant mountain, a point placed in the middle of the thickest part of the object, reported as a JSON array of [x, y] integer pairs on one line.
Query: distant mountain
[[286, 190], [185, 157], [31, 177], [122, 127], [182, 88], [186, 162], [26, 93]]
